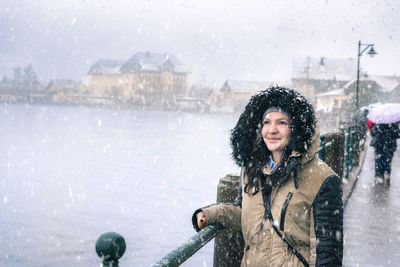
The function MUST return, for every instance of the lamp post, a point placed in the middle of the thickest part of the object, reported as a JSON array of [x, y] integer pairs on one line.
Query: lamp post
[[372, 53], [357, 131]]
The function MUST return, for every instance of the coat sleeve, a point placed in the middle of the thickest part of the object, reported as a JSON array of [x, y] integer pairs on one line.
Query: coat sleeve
[[226, 214], [328, 223]]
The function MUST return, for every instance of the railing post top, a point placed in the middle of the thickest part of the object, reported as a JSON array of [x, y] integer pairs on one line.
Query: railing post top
[[110, 247]]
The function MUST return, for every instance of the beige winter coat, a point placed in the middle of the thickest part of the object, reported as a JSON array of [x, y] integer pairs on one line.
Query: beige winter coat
[[293, 213]]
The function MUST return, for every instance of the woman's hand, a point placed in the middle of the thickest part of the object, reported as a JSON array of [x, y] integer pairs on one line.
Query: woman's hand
[[201, 220]]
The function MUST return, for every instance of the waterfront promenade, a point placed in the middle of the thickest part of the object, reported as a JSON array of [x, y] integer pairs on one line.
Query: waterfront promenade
[[371, 218]]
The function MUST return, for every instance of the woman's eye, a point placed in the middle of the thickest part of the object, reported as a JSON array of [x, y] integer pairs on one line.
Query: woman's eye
[[283, 123], [267, 123]]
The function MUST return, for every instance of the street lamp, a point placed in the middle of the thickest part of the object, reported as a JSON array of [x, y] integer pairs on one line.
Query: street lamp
[[372, 53]]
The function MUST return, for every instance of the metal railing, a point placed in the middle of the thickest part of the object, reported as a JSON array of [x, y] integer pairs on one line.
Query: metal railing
[[111, 246], [349, 134], [190, 247]]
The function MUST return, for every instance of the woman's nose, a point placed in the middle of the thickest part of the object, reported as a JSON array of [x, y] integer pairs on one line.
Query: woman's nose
[[272, 128]]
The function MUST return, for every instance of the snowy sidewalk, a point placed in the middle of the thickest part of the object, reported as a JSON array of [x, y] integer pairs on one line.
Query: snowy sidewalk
[[372, 218]]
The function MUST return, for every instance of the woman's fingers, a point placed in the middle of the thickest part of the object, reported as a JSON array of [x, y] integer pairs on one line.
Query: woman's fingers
[[201, 220]]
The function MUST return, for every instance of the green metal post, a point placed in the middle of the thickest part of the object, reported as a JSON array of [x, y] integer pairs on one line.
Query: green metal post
[[357, 83], [110, 247]]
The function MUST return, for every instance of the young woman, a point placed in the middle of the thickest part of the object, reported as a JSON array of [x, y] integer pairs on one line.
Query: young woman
[[289, 207]]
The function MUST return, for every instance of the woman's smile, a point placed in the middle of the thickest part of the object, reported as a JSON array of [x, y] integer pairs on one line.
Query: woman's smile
[[274, 139]]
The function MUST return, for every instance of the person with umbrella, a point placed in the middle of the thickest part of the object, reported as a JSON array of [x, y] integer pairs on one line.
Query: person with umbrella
[[384, 142], [384, 134]]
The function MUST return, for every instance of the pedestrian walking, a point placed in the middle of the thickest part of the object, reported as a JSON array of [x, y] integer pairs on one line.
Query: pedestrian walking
[[384, 142], [289, 206]]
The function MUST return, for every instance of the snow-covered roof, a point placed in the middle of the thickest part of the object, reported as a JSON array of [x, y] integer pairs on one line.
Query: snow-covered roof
[[349, 83], [246, 86], [342, 69], [106, 66], [147, 61], [337, 92], [142, 61], [388, 83]]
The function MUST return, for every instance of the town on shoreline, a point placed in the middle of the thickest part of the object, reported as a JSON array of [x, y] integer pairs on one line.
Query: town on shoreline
[[153, 81]]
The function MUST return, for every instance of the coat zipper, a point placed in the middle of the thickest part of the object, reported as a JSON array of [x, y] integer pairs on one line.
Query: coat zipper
[[283, 210]]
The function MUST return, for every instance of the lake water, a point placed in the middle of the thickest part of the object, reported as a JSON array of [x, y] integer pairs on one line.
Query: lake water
[[69, 174]]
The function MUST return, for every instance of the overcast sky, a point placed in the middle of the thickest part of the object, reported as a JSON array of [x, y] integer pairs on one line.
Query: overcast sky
[[215, 39]]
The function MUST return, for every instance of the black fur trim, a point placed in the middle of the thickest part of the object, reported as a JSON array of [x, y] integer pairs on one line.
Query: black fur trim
[[247, 130]]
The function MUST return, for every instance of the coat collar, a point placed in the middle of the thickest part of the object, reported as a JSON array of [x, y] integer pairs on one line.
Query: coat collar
[[313, 148]]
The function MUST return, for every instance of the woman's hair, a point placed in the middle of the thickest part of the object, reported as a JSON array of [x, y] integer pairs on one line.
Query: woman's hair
[[249, 148], [257, 162]]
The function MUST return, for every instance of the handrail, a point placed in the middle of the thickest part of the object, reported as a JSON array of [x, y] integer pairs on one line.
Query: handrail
[[190, 247]]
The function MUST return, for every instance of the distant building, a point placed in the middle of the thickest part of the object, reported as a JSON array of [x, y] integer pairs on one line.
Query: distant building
[[389, 87], [332, 100], [22, 92], [234, 94], [67, 91], [312, 76], [372, 89], [145, 79], [8, 92]]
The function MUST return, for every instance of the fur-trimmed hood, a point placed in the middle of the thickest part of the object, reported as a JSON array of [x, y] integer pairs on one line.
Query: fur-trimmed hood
[[247, 132]]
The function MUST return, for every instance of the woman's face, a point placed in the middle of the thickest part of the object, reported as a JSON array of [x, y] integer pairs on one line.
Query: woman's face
[[276, 132]]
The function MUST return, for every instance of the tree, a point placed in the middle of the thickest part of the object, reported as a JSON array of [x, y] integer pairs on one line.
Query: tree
[[29, 76], [17, 75]]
